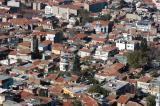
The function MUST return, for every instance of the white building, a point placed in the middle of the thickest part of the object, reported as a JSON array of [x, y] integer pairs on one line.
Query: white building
[[62, 11], [50, 36], [126, 43], [48, 10], [13, 3], [64, 62], [84, 52], [101, 26], [104, 52]]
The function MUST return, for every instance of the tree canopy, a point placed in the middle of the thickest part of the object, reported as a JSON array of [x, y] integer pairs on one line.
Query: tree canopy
[[144, 46], [84, 14], [98, 89], [151, 100], [137, 58], [76, 64]]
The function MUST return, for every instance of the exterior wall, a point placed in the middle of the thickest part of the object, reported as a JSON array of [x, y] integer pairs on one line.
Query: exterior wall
[[43, 48], [119, 104], [63, 66], [101, 55], [12, 57], [34, 6], [24, 57], [144, 86], [56, 52], [86, 6], [121, 46], [50, 37], [72, 11], [2, 99], [133, 16], [48, 10], [130, 47], [143, 28], [103, 29], [83, 54], [60, 11], [63, 12], [157, 4], [100, 78], [55, 10], [13, 3]]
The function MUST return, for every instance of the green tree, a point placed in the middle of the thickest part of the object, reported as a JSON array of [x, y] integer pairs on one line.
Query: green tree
[[76, 64], [105, 17], [143, 45], [136, 59], [76, 103], [66, 96], [84, 15], [98, 89], [151, 100], [59, 37]]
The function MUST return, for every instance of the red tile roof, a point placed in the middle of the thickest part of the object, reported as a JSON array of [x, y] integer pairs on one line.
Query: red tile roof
[[81, 36], [118, 66], [26, 95], [131, 103], [145, 79], [52, 76], [111, 97], [67, 103], [123, 99], [39, 33], [20, 21], [88, 101], [56, 90], [46, 42], [109, 48], [25, 43], [101, 22]]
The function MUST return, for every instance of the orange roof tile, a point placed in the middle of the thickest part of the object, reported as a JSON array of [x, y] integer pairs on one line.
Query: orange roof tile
[[88, 101], [118, 66], [67, 103], [39, 33], [56, 90], [123, 99], [101, 22], [20, 21], [145, 79], [109, 48], [111, 97], [26, 95], [46, 42], [25, 43], [81, 36]]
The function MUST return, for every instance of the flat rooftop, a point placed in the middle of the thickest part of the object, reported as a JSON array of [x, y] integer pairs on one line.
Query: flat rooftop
[[114, 85]]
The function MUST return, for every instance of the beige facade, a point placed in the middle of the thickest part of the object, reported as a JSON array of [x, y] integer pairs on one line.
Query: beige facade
[[61, 11]]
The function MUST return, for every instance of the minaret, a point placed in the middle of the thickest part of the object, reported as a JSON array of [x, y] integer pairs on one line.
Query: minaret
[[67, 14]]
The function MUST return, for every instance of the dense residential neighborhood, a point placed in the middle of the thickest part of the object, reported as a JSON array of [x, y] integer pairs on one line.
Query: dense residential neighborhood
[[80, 52]]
